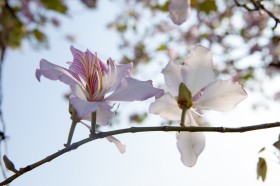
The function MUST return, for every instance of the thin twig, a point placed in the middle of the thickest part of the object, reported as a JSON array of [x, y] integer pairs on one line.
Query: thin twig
[[136, 130], [245, 5], [258, 6]]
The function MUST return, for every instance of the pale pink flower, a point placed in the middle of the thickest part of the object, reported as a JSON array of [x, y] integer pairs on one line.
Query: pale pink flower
[[95, 85], [207, 93], [179, 11]]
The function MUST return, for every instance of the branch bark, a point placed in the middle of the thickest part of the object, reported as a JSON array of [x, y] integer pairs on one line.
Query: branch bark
[[93, 136]]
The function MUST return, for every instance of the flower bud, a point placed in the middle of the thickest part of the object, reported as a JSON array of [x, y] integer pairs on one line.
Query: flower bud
[[184, 99]]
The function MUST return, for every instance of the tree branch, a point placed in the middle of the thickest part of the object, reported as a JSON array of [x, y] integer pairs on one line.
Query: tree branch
[[136, 130], [258, 6]]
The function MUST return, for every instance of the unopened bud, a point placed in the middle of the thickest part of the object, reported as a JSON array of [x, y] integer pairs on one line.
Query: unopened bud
[[9, 164], [184, 97]]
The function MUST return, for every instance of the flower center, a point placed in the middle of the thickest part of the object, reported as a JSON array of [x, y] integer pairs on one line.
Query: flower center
[[94, 85]]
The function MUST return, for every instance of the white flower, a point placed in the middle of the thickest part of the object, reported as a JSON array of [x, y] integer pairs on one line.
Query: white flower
[[207, 93]]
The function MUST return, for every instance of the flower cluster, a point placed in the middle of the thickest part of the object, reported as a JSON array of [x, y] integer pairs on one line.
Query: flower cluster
[[191, 87], [96, 85]]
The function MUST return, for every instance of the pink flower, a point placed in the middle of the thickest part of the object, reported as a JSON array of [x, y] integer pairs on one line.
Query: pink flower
[[179, 10], [95, 85], [206, 93]]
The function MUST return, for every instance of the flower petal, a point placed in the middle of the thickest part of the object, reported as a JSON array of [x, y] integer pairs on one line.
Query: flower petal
[[85, 108], [190, 145], [118, 144], [79, 92], [221, 95], [167, 107], [131, 89], [115, 74], [179, 10], [172, 77], [198, 71], [189, 119], [55, 72]]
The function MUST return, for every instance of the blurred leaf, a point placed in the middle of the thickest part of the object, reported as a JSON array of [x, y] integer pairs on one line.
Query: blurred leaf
[[137, 118], [262, 149], [207, 6], [122, 28], [248, 76], [40, 36], [194, 3], [162, 47], [163, 7], [12, 29], [277, 145], [56, 5], [261, 169]]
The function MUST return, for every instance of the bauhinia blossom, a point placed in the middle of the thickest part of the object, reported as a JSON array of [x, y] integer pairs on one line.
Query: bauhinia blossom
[[96, 85], [179, 11], [206, 93]]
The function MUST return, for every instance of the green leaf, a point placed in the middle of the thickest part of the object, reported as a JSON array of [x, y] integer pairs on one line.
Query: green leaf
[[184, 97], [56, 5], [207, 6], [138, 118], [261, 169], [12, 29], [162, 47], [122, 27], [248, 76], [40, 36], [163, 7]]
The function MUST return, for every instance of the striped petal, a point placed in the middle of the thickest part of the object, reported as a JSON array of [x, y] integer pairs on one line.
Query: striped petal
[[55, 72]]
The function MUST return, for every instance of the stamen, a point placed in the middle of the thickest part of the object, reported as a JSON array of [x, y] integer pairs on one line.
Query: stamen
[[196, 112], [99, 72]]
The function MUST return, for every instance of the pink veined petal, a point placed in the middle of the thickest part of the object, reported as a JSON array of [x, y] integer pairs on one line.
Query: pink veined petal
[[118, 144], [221, 95], [179, 10], [190, 145], [172, 77], [115, 74], [131, 89], [85, 108], [88, 67], [166, 106], [55, 72], [198, 69]]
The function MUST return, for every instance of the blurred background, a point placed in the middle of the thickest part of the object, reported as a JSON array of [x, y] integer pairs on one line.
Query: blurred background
[[243, 37]]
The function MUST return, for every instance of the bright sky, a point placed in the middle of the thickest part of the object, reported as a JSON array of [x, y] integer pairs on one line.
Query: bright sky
[[38, 123]]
